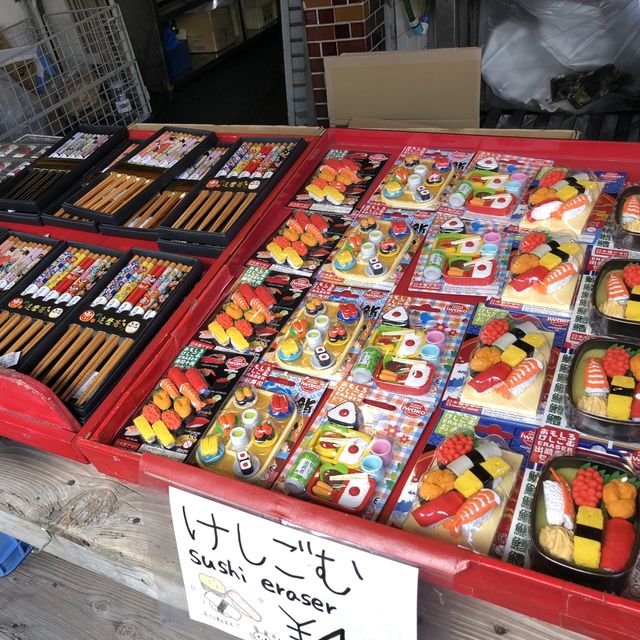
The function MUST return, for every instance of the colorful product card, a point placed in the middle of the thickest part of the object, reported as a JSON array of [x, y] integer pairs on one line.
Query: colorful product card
[[252, 315], [455, 433], [419, 178], [493, 185], [174, 416], [340, 182], [256, 429], [543, 275], [302, 244], [412, 347], [504, 366], [355, 450], [326, 331], [462, 257], [372, 253]]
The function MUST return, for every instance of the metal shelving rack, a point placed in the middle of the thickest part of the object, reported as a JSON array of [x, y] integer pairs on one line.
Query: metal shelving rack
[[68, 68]]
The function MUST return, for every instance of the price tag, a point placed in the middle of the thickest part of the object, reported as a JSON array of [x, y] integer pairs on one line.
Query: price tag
[[260, 580]]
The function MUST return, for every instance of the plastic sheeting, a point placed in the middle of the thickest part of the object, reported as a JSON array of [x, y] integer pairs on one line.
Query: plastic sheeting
[[528, 43]]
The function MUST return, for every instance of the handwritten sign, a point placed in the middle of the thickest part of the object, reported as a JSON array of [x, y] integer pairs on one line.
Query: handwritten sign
[[260, 580]]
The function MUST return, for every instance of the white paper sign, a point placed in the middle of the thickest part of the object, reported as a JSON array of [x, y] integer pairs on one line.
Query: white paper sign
[[260, 580]]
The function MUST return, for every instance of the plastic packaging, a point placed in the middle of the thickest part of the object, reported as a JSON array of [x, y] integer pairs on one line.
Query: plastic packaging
[[545, 273], [303, 243], [584, 521], [494, 184], [317, 338], [602, 395], [462, 496], [355, 450], [250, 317], [340, 181], [507, 367], [561, 201], [462, 257], [417, 179], [626, 218], [528, 44], [615, 299], [372, 253], [412, 347]]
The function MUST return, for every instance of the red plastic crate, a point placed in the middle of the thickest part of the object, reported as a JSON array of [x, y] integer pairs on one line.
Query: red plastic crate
[[49, 425], [573, 607]]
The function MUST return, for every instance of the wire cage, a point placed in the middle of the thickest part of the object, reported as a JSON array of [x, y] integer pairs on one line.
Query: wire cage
[[62, 69]]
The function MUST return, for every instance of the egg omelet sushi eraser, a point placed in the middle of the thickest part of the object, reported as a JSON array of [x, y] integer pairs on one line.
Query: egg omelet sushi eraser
[[238, 341], [145, 430], [481, 475], [587, 540], [163, 434]]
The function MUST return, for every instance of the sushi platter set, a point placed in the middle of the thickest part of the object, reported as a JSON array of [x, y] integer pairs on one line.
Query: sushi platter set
[[424, 334]]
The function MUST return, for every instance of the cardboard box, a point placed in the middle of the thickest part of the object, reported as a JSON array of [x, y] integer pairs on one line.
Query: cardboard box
[[208, 31], [440, 87], [24, 72], [421, 126]]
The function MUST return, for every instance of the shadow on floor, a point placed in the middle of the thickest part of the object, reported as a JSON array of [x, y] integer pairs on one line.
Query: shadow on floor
[[246, 88]]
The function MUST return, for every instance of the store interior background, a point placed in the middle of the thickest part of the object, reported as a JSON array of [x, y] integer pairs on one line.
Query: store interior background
[[271, 70]]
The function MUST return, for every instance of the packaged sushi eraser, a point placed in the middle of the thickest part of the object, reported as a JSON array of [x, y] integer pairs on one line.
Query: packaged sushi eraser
[[462, 257], [561, 201], [412, 347], [321, 335], [626, 218], [372, 253], [419, 178], [175, 414], [340, 181], [507, 367], [584, 521], [544, 274], [615, 300], [355, 450], [303, 243], [603, 389], [462, 496], [257, 427], [250, 317], [494, 185]]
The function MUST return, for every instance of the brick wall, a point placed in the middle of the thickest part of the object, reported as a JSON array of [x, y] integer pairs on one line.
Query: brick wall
[[334, 27]]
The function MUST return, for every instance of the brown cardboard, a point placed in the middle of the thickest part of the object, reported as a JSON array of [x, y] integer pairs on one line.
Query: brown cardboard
[[208, 31], [23, 72], [242, 129], [440, 87], [421, 126]]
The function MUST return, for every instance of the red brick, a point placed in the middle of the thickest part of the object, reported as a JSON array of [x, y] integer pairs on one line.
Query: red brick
[[370, 24], [342, 31], [319, 96], [351, 13], [322, 122], [329, 49], [320, 34], [316, 65], [317, 80], [322, 111], [357, 29], [311, 17], [352, 46], [315, 4], [325, 16], [315, 50]]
